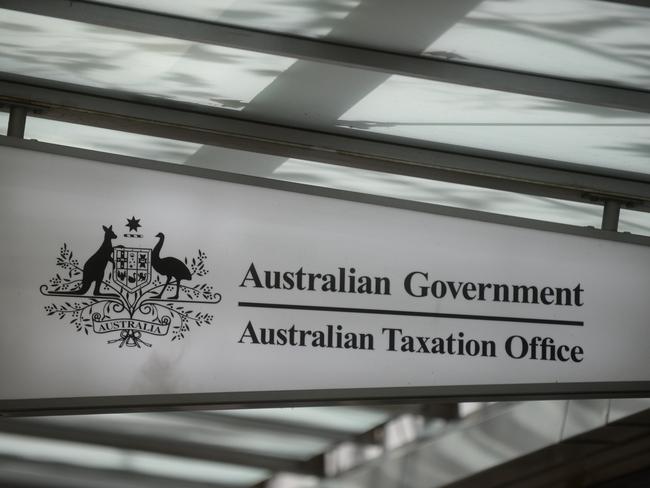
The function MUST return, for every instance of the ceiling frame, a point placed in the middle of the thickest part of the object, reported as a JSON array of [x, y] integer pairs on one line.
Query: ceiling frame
[[161, 445], [205, 125], [19, 472], [333, 53]]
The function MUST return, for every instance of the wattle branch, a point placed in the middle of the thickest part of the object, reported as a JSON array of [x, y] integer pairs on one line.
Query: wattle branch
[[77, 310], [199, 318]]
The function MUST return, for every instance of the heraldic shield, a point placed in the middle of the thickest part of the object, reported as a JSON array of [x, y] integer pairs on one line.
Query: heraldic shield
[[132, 269]]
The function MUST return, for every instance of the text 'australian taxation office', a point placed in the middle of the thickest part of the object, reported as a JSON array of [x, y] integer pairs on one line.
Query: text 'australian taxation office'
[[415, 284]]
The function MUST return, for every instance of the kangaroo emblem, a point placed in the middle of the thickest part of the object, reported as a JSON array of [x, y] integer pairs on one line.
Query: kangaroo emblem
[[95, 267]]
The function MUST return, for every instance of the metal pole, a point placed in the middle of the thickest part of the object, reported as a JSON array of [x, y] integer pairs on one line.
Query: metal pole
[[611, 212], [17, 119]]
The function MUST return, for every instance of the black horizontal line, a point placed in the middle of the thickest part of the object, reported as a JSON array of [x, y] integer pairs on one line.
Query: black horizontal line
[[492, 318]]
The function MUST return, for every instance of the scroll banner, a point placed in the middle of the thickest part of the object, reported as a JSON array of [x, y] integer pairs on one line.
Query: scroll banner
[[130, 330], [127, 286], [129, 324]]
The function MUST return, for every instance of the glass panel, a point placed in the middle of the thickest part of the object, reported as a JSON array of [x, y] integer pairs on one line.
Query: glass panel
[[582, 39], [353, 420], [465, 409], [187, 429], [195, 470], [439, 192], [325, 97], [79, 454], [317, 174], [603, 42], [111, 141], [634, 222], [4, 121], [89, 55], [49, 450], [504, 122], [311, 18]]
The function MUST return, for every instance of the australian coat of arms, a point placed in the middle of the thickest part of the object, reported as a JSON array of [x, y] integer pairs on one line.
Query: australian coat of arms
[[143, 295]]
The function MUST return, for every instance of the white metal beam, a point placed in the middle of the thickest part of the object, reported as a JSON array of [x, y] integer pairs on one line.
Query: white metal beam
[[21, 472], [160, 445], [332, 53]]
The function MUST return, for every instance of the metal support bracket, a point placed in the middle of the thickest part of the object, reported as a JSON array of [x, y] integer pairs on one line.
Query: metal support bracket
[[611, 213], [17, 120], [611, 209], [18, 117]]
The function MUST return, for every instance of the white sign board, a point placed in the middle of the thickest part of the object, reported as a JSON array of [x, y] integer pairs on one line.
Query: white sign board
[[124, 286]]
